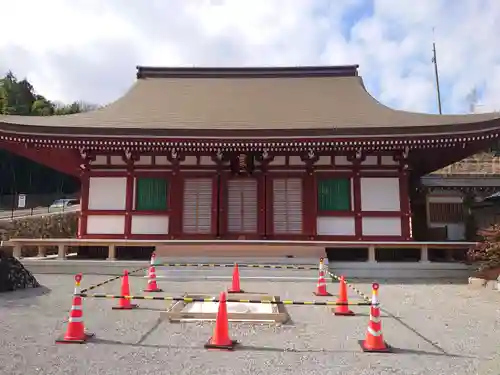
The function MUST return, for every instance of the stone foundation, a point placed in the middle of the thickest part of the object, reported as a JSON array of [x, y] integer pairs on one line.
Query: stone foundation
[[476, 282]]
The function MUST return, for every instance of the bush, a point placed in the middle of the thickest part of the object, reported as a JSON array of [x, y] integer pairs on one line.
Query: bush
[[486, 254]]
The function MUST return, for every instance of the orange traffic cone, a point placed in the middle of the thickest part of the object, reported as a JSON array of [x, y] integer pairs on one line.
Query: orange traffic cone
[[124, 303], [220, 339], [152, 286], [374, 341], [75, 332], [235, 286], [343, 309], [321, 286]]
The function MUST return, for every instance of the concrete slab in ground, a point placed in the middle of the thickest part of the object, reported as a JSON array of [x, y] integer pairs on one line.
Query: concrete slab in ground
[[232, 307], [437, 329]]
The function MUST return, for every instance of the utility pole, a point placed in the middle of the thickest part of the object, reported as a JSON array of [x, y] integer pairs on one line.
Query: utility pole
[[472, 100], [434, 60]]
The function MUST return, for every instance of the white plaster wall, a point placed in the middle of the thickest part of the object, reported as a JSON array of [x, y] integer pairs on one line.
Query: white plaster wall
[[380, 194], [144, 160], [278, 160], [148, 224], [388, 160], [206, 160], [100, 160], [370, 160], [335, 226], [382, 226], [324, 160], [455, 231], [351, 181], [105, 224], [190, 160], [117, 160], [295, 160], [161, 160], [107, 193], [342, 160]]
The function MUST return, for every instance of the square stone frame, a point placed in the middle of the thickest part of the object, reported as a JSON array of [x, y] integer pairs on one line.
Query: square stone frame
[[175, 313]]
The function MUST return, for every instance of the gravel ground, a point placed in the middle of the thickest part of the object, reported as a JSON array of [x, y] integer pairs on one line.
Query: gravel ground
[[437, 329]]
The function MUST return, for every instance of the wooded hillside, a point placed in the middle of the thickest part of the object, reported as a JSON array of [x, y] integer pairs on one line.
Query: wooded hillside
[[17, 174]]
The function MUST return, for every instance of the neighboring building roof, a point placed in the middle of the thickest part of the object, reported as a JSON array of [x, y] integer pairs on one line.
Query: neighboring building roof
[[480, 164], [492, 197], [302, 101], [491, 201], [432, 180]]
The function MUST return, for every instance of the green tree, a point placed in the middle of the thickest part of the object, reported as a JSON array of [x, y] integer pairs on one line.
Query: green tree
[[20, 98], [17, 174], [75, 107], [42, 107], [16, 97]]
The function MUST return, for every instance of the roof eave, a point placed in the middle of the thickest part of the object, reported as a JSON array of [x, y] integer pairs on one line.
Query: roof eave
[[466, 129]]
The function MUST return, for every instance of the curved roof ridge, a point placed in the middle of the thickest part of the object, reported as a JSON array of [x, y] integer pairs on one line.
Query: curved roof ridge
[[144, 72]]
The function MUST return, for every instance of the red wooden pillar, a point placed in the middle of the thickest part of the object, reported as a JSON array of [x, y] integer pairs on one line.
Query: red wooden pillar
[[404, 198], [261, 201], [176, 202], [309, 204], [269, 205], [357, 209], [223, 204], [215, 205], [129, 202], [84, 204]]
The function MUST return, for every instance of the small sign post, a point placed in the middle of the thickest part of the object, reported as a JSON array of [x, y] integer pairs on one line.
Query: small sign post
[[21, 201]]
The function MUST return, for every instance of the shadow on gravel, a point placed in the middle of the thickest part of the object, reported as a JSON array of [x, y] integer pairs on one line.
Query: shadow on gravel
[[414, 330], [24, 294], [422, 352], [151, 330], [365, 315], [411, 281], [271, 349]]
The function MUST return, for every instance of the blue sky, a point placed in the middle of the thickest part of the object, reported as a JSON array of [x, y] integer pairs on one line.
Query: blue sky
[[88, 49]]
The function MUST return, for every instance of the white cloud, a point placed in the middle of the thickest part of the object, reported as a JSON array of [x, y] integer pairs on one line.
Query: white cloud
[[88, 49]]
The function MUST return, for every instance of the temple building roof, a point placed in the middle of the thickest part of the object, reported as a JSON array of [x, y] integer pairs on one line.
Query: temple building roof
[[249, 102]]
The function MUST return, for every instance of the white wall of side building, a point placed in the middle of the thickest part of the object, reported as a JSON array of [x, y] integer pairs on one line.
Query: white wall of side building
[[455, 230]]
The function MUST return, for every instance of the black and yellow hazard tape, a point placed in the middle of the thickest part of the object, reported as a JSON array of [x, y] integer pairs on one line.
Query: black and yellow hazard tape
[[224, 265], [351, 286], [112, 279], [190, 300]]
